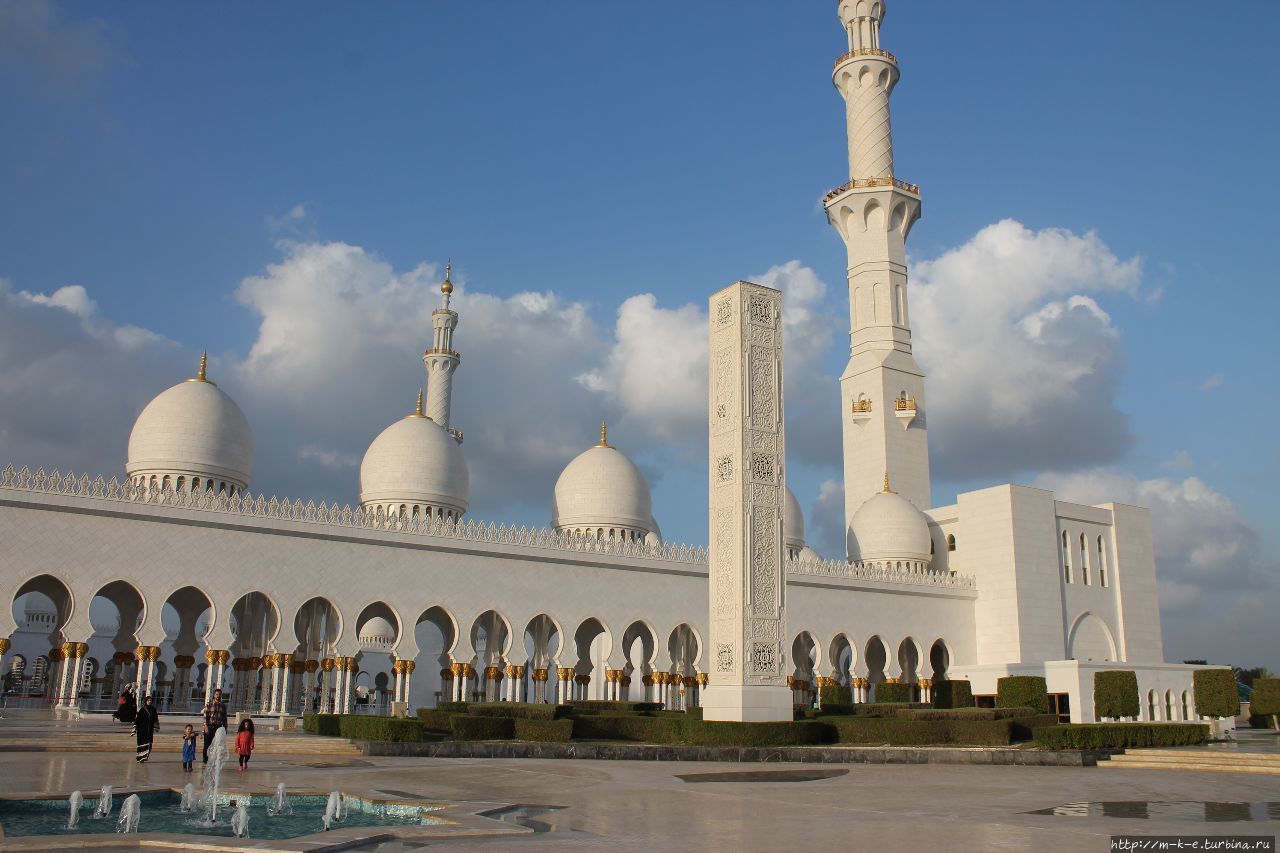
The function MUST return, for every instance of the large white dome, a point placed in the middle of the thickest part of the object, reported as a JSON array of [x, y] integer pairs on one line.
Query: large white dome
[[888, 528], [195, 431], [602, 492], [792, 523], [417, 464]]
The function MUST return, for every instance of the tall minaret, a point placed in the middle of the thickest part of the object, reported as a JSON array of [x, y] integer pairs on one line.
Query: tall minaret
[[882, 389], [441, 360]]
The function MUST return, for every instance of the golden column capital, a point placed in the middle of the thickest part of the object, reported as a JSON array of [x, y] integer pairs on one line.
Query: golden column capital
[[410, 666], [327, 664], [703, 679], [4, 645], [493, 673], [312, 665], [540, 675], [447, 673]]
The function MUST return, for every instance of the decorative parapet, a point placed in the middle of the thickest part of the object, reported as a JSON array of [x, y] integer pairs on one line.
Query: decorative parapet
[[866, 51], [284, 509], [882, 572], [864, 183]]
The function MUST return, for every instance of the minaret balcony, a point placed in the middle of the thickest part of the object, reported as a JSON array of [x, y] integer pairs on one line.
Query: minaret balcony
[[904, 409], [457, 434], [448, 352], [860, 411], [866, 51], [869, 183]]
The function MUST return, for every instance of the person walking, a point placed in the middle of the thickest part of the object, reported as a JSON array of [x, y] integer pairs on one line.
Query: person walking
[[244, 742], [215, 717], [128, 708], [145, 726], [188, 748]]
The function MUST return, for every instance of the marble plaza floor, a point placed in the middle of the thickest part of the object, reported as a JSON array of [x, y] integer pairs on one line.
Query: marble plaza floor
[[660, 806]]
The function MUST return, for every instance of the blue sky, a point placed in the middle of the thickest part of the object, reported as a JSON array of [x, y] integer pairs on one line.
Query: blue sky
[[592, 152]]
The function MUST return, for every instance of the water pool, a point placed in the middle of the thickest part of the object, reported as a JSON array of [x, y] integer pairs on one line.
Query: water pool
[[160, 813]]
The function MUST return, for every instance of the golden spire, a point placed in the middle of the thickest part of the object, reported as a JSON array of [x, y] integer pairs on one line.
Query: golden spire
[[447, 286], [886, 489], [604, 435], [203, 374], [418, 412]]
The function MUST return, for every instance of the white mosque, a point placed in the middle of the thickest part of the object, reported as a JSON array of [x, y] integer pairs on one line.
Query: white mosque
[[179, 579]]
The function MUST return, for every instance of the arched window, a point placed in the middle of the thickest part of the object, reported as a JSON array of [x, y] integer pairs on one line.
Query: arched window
[[1186, 705], [1102, 563], [931, 546], [1084, 560], [182, 483], [1168, 706], [1066, 558], [951, 541], [1153, 711]]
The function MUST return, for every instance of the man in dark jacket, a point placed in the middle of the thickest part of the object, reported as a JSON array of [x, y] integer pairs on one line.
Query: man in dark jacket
[[215, 717]]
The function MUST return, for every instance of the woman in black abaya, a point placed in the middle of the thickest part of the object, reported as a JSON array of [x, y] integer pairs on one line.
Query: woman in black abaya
[[145, 726]]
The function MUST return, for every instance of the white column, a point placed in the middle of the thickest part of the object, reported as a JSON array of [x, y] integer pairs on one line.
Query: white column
[[284, 689], [747, 438]]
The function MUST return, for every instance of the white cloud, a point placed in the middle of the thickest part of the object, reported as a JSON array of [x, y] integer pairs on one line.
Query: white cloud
[[655, 369], [60, 56], [1181, 461], [1023, 362], [1212, 566]]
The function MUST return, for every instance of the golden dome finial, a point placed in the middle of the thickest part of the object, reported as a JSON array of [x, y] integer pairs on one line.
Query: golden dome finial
[[418, 410], [604, 434], [203, 374], [886, 489], [447, 286]]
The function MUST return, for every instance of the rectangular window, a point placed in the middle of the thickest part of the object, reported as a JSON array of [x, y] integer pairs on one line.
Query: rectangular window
[[1060, 704]]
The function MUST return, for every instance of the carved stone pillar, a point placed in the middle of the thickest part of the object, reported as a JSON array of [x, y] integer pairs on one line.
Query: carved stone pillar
[[747, 441], [326, 685], [492, 680]]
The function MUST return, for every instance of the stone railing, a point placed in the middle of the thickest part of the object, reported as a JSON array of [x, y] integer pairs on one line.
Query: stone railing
[[866, 51], [335, 516], [879, 572], [862, 183]]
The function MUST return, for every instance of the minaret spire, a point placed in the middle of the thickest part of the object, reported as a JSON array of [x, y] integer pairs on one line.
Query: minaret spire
[[442, 360], [873, 214], [604, 434]]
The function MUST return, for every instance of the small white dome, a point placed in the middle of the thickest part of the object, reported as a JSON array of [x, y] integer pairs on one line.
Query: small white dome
[[808, 555], [601, 489], [792, 523], [378, 631], [417, 463], [888, 527], [195, 430]]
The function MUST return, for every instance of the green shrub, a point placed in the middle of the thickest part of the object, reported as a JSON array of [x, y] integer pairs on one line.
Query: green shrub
[[543, 731], [952, 694], [899, 732], [804, 733], [1115, 694], [1024, 728], [453, 707], [1120, 735], [321, 724], [1216, 694], [363, 727], [837, 709], [839, 694], [883, 709], [1264, 704], [435, 720], [629, 727], [519, 710], [610, 705], [695, 712], [1023, 691], [953, 713], [884, 693], [467, 727]]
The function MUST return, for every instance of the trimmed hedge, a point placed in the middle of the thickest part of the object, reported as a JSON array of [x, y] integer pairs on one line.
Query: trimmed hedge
[[839, 694], [952, 694], [629, 727], [836, 709], [433, 719], [1120, 735], [804, 733], [695, 712], [395, 729], [321, 724], [453, 707], [1115, 694], [611, 705], [964, 713], [899, 732], [1023, 691], [1265, 701], [1024, 728], [1216, 694], [543, 731], [467, 727], [519, 710], [885, 692]]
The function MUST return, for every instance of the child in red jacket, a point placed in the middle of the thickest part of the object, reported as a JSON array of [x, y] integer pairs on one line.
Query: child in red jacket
[[244, 742]]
